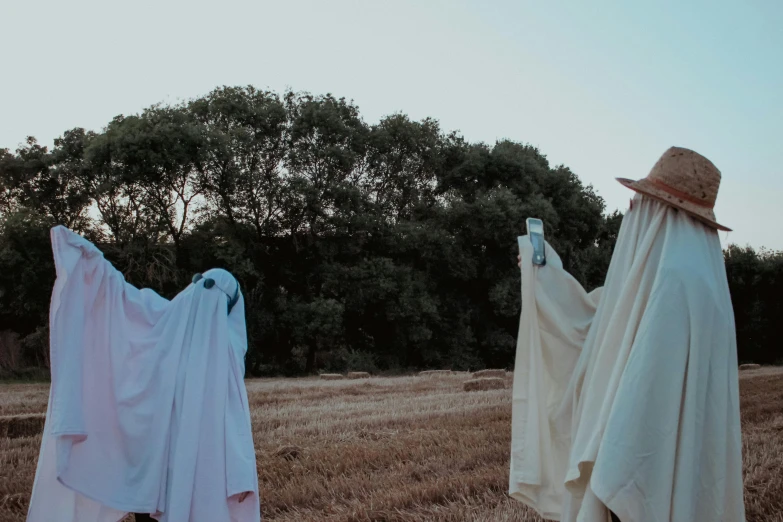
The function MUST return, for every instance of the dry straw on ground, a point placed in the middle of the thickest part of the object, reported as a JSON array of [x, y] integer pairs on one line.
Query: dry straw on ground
[[22, 425], [435, 373], [402, 449], [358, 375], [484, 383], [745, 367], [332, 376], [489, 373], [288, 452]]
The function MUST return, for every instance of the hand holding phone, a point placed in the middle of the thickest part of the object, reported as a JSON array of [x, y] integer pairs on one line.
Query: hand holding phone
[[535, 231]]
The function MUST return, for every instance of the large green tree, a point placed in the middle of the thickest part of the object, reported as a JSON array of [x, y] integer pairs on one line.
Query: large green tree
[[385, 246]]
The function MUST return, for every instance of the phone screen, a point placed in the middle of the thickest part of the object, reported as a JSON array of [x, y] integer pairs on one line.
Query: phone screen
[[535, 230]]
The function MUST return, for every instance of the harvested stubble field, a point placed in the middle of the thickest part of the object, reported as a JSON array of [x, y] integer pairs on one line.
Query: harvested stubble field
[[400, 449]]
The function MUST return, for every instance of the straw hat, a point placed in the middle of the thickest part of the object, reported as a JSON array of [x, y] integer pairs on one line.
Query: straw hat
[[685, 180]]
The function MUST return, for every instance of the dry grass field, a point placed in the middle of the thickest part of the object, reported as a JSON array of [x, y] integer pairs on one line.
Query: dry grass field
[[399, 449]]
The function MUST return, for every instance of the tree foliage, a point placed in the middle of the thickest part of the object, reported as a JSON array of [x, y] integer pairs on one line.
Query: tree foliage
[[756, 285], [385, 246]]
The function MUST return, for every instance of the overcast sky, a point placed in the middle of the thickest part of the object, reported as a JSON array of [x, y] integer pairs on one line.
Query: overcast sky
[[602, 87]]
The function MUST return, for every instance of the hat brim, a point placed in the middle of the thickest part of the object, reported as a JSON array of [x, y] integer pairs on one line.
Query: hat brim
[[702, 214]]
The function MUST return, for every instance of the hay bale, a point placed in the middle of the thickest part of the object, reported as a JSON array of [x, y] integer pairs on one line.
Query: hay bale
[[484, 383], [745, 367], [18, 426], [489, 373], [358, 375], [331, 376], [289, 452], [434, 373]]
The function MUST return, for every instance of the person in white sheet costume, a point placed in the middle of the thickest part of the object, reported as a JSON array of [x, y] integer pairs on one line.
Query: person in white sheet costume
[[148, 410], [626, 401]]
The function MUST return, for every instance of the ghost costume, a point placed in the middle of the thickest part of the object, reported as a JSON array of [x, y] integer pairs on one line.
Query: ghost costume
[[626, 399], [148, 410]]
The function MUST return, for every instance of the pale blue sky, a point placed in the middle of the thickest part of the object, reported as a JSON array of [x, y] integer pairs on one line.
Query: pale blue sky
[[602, 87]]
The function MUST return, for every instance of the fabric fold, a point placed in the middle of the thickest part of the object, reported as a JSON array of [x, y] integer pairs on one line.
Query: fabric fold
[[556, 317]]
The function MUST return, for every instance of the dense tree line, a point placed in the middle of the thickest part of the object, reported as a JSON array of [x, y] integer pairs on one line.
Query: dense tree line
[[371, 247], [756, 285]]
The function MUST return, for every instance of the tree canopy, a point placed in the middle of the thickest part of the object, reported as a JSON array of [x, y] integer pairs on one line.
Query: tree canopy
[[381, 246]]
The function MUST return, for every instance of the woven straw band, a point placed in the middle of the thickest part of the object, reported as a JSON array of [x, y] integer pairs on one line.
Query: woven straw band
[[681, 195]]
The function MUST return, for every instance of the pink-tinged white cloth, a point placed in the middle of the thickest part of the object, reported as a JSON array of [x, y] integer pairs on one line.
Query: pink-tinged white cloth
[[148, 410]]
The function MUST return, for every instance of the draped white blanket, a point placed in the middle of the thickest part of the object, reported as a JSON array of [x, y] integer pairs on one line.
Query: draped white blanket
[[148, 410], [627, 398]]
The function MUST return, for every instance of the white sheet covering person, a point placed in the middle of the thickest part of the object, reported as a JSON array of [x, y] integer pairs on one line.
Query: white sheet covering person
[[630, 403], [148, 410]]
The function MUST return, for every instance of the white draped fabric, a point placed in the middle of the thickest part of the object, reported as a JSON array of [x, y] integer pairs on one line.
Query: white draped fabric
[[626, 399], [148, 410]]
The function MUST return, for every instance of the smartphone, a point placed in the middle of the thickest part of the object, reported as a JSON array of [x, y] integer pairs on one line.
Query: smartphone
[[535, 231]]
